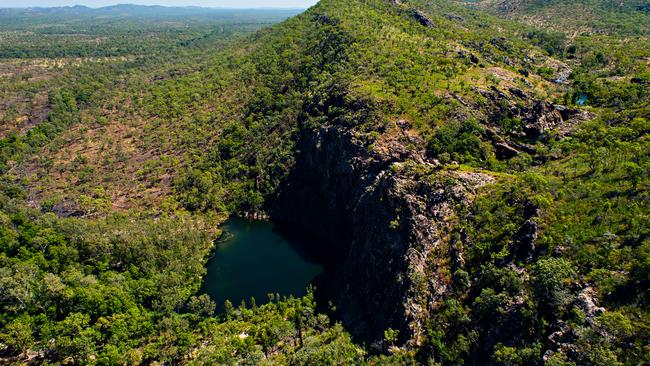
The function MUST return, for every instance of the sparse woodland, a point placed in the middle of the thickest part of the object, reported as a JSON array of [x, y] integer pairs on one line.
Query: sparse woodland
[[125, 142]]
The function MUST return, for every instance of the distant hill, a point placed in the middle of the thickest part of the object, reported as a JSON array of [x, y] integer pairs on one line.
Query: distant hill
[[145, 12]]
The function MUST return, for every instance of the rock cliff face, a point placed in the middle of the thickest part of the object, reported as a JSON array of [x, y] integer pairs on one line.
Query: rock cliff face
[[385, 214]]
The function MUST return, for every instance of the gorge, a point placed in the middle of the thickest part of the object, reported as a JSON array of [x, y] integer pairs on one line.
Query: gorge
[[463, 182]]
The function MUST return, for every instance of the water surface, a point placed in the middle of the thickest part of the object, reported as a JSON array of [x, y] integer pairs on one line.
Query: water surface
[[582, 99], [252, 259]]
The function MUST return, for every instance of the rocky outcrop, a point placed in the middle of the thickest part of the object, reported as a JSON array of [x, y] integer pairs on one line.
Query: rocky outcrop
[[418, 15], [385, 213], [423, 19], [504, 151], [587, 301], [539, 119], [563, 338], [455, 17], [544, 117]]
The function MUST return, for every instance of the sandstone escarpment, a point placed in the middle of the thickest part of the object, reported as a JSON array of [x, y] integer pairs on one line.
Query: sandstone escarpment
[[385, 214]]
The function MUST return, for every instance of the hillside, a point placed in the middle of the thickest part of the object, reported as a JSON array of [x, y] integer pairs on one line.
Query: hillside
[[476, 185], [358, 59], [594, 16]]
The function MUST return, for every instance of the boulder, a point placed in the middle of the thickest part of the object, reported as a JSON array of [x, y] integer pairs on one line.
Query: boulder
[[423, 19]]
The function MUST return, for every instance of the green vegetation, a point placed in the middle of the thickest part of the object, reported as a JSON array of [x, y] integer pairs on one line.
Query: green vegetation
[[600, 16], [96, 288], [121, 30], [120, 154]]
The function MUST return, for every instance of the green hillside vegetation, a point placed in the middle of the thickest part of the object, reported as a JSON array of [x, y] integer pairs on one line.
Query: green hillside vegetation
[[121, 30], [626, 18], [109, 201], [267, 85]]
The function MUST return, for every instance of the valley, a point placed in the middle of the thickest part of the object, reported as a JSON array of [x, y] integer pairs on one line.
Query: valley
[[470, 177]]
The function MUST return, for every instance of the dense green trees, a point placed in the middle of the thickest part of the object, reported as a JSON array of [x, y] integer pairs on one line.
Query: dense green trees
[[459, 141], [91, 285]]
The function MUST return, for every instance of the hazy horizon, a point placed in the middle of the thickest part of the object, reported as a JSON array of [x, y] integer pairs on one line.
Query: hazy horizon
[[300, 4]]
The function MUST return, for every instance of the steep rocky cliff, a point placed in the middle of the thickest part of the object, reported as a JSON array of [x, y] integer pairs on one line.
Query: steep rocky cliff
[[385, 213]]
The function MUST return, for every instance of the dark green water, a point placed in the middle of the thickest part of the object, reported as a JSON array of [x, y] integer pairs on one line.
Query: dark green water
[[252, 259]]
